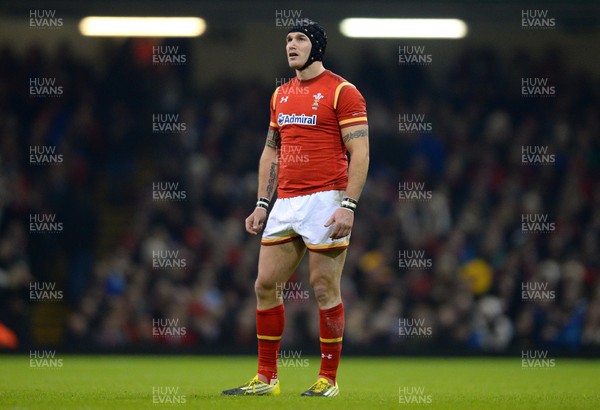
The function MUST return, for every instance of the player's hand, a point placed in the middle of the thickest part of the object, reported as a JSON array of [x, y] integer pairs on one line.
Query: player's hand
[[255, 223], [342, 221]]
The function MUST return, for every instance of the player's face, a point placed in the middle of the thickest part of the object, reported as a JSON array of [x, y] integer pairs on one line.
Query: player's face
[[298, 49]]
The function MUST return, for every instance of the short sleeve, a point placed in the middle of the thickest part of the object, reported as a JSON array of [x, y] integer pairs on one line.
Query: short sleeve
[[273, 118], [350, 106]]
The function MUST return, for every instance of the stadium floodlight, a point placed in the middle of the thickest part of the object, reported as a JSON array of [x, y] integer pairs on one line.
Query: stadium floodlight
[[142, 26], [403, 28]]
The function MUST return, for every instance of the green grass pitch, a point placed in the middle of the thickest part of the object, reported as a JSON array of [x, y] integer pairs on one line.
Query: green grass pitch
[[195, 382]]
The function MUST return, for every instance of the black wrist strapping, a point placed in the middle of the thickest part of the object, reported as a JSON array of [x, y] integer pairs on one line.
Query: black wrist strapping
[[349, 204], [263, 203]]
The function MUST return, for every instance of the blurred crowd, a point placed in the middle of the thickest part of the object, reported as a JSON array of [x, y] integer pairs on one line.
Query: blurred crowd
[[454, 269]]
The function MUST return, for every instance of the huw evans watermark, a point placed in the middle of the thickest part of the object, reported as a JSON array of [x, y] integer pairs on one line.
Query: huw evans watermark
[[411, 327], [291, 358], [289, 18], [413, 55], [536, 155], [167, 124], [168, 259], [289, 86], [414, 191], [292, 153], [167, 395], [536, 359], [413, 259], [44, 223], [44, 291], [413, 123], [279, 81], [537, 291], [168, 55], [536, 19], [44, 19], [44, 155], [168, 191], [44, 87], [167, 327], [44, 359], [413, 395], [538, 223], [291, 291], [537, 87]]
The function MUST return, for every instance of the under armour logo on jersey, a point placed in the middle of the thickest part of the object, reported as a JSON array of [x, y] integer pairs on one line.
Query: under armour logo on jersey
[[283, 99], [328, 356]]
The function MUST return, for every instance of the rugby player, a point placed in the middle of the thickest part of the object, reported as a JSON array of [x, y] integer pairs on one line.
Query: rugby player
[[316, 119]]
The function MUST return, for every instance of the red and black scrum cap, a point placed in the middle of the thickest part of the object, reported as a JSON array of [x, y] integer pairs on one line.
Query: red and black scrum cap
[[318, 39]]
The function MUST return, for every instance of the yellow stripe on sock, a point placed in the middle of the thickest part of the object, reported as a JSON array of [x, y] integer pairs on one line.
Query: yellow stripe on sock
[[268, 337], [334, 340]]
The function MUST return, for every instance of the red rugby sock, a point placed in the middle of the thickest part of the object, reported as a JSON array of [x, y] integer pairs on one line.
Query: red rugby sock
[[331, 333], [269, 328]]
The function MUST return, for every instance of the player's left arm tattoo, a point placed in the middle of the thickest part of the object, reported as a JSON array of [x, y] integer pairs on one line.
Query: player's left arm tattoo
[[273, 139], [272, 179], [355, 134]]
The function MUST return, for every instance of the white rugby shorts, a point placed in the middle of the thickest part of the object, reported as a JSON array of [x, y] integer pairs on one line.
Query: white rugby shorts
[[305, 216]]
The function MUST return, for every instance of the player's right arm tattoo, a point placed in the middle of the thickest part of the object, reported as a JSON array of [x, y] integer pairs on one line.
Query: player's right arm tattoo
[[273, 139], [356, 134], [272, 179]]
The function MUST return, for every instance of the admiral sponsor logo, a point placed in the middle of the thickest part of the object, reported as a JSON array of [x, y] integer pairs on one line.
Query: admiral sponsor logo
[[303, 119]]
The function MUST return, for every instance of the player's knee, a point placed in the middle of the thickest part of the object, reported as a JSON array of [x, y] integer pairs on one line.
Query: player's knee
[[323, 289], [264, 289]]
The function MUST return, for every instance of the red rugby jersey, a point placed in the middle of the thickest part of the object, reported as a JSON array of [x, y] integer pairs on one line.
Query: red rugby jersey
[[309, 116]]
